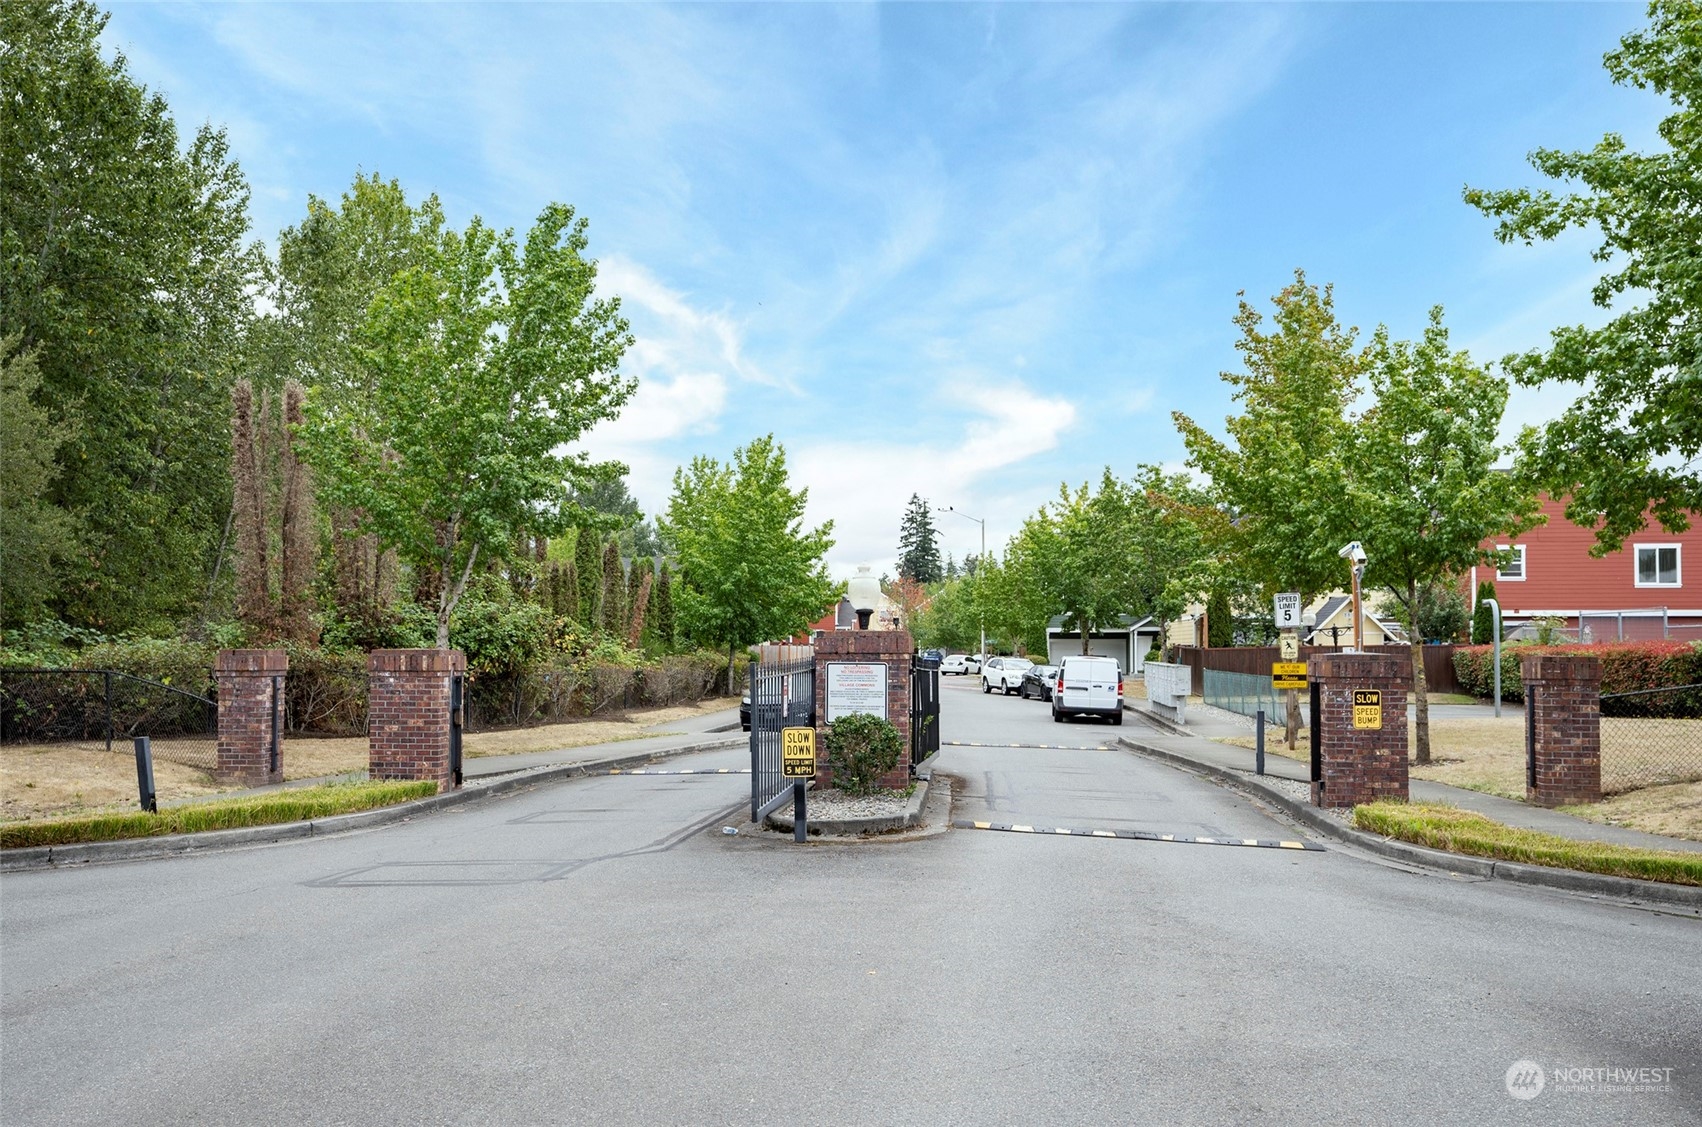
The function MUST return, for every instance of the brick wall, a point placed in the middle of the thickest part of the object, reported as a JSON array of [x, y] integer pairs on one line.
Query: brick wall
[[1564, 724], [408, 713], [246, 687], [1360, 764], [895, 647]]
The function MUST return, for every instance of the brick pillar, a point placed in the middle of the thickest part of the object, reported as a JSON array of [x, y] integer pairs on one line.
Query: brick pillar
[[407, 709], [1359, 764], [1563, 719], [247, 681], [895, 648]]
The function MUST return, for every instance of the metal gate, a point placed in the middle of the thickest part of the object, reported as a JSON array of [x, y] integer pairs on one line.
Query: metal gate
[[783, 695], [924, 710]]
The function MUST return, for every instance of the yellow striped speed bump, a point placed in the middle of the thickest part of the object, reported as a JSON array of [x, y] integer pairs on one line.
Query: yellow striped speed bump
[[687, 771], [1043, 747], [1140, 835]]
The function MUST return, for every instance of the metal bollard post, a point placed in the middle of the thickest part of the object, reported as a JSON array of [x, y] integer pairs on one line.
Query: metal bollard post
[[800, 831], [1259, 742], [145, 774]]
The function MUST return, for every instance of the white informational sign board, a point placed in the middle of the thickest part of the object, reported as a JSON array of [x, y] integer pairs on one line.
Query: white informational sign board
[[855, 687], [1288, 610]]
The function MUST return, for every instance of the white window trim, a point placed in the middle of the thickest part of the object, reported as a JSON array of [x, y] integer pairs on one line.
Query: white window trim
[[1524, 564], [1678, 565]]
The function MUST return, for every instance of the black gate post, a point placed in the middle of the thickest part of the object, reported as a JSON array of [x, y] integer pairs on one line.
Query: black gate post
[[1318, 735], [1530, 737], [107, 677], [277, 753], [457, 689], [145, 774]]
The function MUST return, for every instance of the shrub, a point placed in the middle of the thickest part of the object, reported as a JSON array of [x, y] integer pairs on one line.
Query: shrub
[[1626, 667], [1483, 621], [861, 750]]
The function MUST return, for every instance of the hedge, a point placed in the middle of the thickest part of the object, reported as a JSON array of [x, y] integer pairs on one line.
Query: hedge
[[1626, 667]]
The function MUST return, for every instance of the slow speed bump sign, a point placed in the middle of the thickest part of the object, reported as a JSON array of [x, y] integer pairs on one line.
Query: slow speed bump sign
[[1367, 708], [798, 753]]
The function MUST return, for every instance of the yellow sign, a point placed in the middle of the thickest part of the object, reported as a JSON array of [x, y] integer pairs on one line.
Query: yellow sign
[[1288, 674], [798, 753], [1367, 708]]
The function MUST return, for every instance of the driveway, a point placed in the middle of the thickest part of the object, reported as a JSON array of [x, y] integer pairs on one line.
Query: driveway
[[599, 951]]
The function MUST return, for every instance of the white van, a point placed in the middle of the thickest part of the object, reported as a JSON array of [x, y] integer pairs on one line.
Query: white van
[[1088, 686]]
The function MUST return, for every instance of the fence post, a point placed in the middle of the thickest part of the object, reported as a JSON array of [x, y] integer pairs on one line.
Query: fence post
[[800, 830], [145, 774], [107, 677]]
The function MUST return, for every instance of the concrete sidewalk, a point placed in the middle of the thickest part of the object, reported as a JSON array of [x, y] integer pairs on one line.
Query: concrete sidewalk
[[1203, 748]]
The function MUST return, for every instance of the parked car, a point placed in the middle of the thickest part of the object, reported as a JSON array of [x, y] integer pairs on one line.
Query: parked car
[[972, 663], [933, 657], [745, 712], [1037, 682], [1088, 686], [954, 663], [1004, 674]]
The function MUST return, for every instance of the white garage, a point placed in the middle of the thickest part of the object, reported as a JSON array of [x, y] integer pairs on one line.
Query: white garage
[[1127, 642]]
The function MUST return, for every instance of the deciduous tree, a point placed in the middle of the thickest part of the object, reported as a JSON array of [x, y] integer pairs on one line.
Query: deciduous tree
[[750, 570], [480, 371], [1630, 446]]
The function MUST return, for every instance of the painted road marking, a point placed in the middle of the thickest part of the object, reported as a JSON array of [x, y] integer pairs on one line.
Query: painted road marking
[[687, 771], [1144, 835], [1042, 747]]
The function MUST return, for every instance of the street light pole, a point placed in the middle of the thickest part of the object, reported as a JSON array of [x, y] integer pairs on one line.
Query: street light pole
[[979, 563]]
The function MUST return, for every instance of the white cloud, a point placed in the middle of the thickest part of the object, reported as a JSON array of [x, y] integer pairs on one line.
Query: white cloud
[[863, 486]]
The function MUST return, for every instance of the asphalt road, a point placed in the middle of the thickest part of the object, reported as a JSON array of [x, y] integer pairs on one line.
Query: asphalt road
[[597, 951]]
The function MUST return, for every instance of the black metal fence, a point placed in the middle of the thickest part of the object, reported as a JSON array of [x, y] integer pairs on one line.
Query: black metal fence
[[924, 710], [1651, 737], [104, 710], [783, 695]]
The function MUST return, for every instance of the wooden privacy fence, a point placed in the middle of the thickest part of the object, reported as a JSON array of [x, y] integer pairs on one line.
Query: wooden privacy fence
[[1438, 662]]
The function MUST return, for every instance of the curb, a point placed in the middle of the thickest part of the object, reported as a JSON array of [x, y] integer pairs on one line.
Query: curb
[[173, 845], [1484, 868], [885, 823]]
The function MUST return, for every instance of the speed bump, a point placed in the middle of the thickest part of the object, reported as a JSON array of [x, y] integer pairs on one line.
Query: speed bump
[[1043, 747], [1140, 835]]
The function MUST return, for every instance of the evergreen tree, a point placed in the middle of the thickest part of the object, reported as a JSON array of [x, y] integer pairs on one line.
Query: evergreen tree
[[1220, 620], [614, 591], [588, 573], [918, 547], [1483, 622], [951, 567], [663, 613]]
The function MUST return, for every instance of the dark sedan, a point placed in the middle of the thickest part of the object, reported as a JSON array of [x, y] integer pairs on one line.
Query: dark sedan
[[1038, 682]]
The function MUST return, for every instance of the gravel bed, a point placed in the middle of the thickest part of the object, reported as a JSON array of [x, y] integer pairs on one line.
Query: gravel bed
[[835, 805]]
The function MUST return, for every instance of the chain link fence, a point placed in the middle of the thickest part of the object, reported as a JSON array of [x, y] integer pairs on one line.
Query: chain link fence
[[104, 710], [1651, 738], [1247, 693]]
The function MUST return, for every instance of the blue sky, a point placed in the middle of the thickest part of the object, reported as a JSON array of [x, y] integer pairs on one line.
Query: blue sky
[[963, 251]]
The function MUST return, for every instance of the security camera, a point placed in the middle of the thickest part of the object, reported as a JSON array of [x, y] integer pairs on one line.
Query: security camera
[[1352, 551]]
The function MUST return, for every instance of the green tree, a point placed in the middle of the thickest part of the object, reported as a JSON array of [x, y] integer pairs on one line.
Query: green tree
[[664, 604], [588, 573], [1629, 447], [479, 370], [1424, 488], [950, 621], [36, 537], [1220, 619], [749, 568], [124, 261], [1483, 619], [1281, 480], [612, 605], [918, 544]]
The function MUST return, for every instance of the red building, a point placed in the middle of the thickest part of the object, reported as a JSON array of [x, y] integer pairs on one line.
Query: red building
[[1640, 591]]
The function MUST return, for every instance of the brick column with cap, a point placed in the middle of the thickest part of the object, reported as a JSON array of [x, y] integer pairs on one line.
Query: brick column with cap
[[251, 707], [1354, 764], [408, 693], [1563, 719], [860, 647]]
